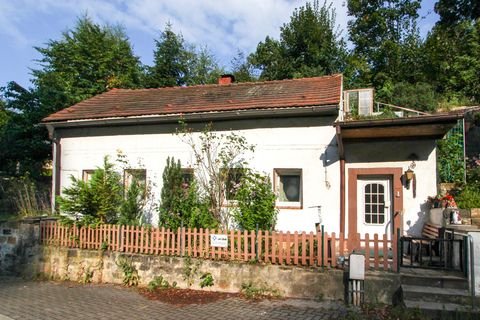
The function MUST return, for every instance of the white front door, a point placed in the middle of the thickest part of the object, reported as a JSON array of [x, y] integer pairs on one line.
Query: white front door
[[374, 206]]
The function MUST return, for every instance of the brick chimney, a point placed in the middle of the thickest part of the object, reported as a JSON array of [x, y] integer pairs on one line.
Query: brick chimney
[[226, 79]]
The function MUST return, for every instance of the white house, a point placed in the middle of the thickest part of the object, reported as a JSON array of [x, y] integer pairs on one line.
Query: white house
[[349, 176]]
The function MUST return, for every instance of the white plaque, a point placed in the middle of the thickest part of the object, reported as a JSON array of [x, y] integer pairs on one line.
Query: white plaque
[[219, 240]]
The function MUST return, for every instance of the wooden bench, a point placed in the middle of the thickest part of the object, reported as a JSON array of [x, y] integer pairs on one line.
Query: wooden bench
[[431, 231]]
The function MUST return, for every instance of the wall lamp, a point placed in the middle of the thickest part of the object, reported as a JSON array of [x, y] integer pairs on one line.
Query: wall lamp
[[409, 174]]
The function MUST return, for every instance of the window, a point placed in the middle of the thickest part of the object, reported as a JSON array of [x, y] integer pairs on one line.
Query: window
[[187, 176], [374, 203], [288, 187], [137, 175], [359, 101], [87, 175], [234, 176]]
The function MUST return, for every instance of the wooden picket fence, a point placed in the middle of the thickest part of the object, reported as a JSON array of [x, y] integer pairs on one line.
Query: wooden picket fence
[[282, 248]]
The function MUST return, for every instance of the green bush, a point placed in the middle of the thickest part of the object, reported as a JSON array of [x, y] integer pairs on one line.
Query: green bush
[[99, 199], [450, 159], [468, 197], [255, 202], [131, 209], [181, 202]]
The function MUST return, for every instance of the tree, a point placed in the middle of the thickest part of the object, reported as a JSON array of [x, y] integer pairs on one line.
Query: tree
[[386, 38], [24, 145], [89, 59], [215, 155], [132, 207], [181, 204], [241, 69], [309, 45], [97, 200], [452, 12], [255, 202], [453, 51], [177, 63], [202, 67]]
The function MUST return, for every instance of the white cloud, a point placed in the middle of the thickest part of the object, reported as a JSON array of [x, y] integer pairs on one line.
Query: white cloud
[[223, 26]]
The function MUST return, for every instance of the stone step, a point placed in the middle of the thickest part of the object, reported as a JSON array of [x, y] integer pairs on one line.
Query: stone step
[[435, 294], [435, 279], [436, 310]]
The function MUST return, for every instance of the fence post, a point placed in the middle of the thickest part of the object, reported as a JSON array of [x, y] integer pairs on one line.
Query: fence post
[[323, 248], [399, 250], [256, 242]]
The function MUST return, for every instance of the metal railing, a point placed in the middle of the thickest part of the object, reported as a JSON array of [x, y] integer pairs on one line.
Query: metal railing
[[445, 253]]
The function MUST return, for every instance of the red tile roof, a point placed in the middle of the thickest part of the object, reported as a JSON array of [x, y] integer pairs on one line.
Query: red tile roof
[[319, 91]]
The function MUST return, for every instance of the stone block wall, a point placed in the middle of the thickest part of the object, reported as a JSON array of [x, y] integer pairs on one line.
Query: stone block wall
[[289, 281], [19, 246], [22, 255]]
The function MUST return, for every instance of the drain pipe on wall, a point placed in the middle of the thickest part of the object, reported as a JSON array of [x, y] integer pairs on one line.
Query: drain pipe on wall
[[472, 269]]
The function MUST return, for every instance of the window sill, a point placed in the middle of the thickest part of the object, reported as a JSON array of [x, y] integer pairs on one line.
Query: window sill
[[292, 206]]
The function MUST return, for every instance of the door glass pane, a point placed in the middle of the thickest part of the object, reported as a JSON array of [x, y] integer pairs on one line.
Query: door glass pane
[[374, 203]]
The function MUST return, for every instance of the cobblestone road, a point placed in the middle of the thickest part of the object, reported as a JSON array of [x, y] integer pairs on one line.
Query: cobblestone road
[[21, 299]]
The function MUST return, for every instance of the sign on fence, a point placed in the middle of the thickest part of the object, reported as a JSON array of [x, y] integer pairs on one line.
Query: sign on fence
[[219, 240]]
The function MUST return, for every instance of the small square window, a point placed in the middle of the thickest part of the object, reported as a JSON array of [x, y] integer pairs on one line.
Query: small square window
[[187, 176], [288, 187], [87, 175]]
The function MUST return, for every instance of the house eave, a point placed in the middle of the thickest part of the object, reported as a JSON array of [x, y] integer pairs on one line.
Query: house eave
[[421, 127], [324, 110]]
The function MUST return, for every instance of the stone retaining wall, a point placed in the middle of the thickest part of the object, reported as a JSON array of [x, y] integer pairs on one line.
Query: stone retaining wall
[[22, 255], [19, 245], [296, 282]]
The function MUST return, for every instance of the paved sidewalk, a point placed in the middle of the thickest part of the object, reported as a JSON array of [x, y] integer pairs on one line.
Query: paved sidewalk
[[21, 299]]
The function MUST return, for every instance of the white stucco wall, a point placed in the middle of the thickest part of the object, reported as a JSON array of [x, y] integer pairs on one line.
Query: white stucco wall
[[289, 145], [396, 154], [476, 258]]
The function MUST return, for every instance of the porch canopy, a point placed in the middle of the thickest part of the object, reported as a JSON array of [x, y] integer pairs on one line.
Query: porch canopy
[[414, 128]]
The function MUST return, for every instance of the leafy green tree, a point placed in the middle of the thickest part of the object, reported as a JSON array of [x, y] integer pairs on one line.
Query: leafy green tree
[[255, 202], [24, 145], [386, 38], [98, 200], [202, 67], [241, 69], [309, 45], [453, 11], [418, 96], [453, 61], [88, 59]]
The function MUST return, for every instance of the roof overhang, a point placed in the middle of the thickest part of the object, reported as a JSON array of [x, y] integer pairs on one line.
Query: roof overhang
[[420, 127], [324, 110]]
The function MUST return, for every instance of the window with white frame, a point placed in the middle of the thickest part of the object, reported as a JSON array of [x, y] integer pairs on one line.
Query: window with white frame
[[87, 175], [288, 187]]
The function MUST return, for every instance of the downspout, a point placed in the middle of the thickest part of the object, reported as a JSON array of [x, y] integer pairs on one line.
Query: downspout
[[341, 155], [472, 269], [56, 153]]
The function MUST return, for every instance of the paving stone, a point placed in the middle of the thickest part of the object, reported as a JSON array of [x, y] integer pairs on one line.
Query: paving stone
[[32, 300]]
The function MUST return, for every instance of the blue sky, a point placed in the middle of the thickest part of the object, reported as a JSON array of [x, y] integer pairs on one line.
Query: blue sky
[[222, 25]]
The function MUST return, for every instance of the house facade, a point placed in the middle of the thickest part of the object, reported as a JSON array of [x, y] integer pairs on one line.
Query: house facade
[[350, 176]]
